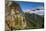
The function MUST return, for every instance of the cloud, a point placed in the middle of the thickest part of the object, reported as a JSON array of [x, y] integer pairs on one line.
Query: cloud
[[39, 12], [40, 7]]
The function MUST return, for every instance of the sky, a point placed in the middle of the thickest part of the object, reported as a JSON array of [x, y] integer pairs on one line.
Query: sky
[[28, 6]]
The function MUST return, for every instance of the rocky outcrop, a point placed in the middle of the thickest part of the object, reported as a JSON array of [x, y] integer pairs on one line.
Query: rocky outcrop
[[14, 18]]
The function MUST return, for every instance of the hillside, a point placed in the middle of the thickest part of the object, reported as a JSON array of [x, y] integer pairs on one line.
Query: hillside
[[34, 20]]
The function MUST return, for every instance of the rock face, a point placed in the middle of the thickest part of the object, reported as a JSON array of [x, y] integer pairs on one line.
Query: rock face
[[13, 17]]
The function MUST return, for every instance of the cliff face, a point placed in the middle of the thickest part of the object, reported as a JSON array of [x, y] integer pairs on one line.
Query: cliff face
[[14, 18]]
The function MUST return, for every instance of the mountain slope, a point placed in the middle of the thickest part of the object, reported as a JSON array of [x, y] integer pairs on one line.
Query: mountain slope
[[34, 20]]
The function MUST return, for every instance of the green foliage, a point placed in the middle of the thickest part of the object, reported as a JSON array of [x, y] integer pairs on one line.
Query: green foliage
[[34, 20]]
